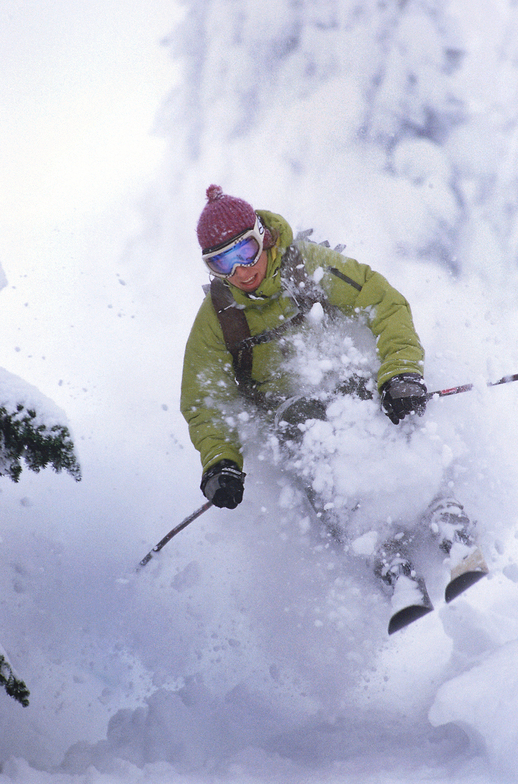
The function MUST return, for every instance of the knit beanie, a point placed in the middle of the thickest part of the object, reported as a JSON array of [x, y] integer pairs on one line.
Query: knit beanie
[[223, 218]]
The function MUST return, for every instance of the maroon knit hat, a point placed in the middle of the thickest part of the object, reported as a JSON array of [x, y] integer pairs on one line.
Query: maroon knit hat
[[223, 218]]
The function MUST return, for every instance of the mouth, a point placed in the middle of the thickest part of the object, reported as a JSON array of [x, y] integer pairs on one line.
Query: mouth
[[248, 279], [251, 281]]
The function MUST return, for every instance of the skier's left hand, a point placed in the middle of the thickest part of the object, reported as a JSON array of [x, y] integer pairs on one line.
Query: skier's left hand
[[402, 395], [223, 484]]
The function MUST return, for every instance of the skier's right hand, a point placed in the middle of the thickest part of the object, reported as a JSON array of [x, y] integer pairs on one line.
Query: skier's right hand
[[223, 484], [404, 394]]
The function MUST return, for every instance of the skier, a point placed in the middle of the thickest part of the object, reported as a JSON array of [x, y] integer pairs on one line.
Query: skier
[[263, 286]]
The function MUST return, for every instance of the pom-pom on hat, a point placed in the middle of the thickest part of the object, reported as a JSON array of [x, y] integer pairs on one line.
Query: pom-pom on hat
[[223, 218]]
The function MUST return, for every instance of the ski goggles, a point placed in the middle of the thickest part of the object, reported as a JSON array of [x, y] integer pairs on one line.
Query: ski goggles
[[243, 251]]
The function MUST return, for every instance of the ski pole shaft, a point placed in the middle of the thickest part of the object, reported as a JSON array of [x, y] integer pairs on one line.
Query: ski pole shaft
[[173, 532], [468, 387]]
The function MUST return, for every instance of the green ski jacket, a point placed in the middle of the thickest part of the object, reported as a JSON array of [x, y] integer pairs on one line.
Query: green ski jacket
[[209, 388]]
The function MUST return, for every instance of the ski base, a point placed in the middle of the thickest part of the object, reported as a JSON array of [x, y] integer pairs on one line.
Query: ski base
[[465, 574], [407, 616]]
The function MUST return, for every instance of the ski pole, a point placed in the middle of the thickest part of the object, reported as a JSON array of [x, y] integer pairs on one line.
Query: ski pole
[[173, 532], [468, 387]]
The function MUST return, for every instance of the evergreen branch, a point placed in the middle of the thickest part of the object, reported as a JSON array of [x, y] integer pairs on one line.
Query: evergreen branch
[[14, 687], [39, 445]]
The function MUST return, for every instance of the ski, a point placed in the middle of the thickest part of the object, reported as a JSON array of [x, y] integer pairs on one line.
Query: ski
[[466, 573], [449, 522], [409, 596], [13, 685], [410, 602], [406, 616]]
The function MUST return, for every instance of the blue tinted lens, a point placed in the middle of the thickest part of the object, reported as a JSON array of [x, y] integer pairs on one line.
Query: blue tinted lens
[[242, 254]]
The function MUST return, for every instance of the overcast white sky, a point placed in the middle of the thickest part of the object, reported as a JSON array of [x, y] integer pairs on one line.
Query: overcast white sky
[[80, 83]]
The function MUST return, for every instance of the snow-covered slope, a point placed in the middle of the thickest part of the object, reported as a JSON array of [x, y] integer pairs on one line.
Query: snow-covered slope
[[249, 650]]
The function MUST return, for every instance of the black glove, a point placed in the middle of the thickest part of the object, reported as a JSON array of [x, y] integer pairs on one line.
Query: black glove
[[402, 395], [223, 484]]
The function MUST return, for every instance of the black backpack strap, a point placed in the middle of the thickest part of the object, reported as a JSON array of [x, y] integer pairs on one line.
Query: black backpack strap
[[297, 283], [301, 287], [236, 331]]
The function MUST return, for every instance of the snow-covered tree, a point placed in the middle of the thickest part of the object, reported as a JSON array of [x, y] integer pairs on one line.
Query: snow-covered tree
[[33, 431]]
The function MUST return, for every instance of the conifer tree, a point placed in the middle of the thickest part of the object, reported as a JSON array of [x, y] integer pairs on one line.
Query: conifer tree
[[24, 435], [14, 687]]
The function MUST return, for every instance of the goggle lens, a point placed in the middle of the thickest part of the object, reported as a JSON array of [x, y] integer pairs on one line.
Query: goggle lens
[[243, 254]]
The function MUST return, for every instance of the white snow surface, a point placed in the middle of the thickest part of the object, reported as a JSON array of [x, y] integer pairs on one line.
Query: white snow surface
[[250, 650]]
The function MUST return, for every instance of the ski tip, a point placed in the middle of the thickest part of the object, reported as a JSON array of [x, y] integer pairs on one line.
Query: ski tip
[[407, 616], [462, 583]]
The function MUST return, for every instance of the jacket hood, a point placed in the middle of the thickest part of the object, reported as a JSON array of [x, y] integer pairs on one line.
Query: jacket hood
[[279, 226]]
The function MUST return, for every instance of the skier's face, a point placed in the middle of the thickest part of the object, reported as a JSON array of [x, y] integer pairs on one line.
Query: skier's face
[[250, 278]]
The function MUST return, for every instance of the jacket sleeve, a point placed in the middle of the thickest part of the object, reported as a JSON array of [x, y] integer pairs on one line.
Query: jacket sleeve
[[209, 391], [356, 288]]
